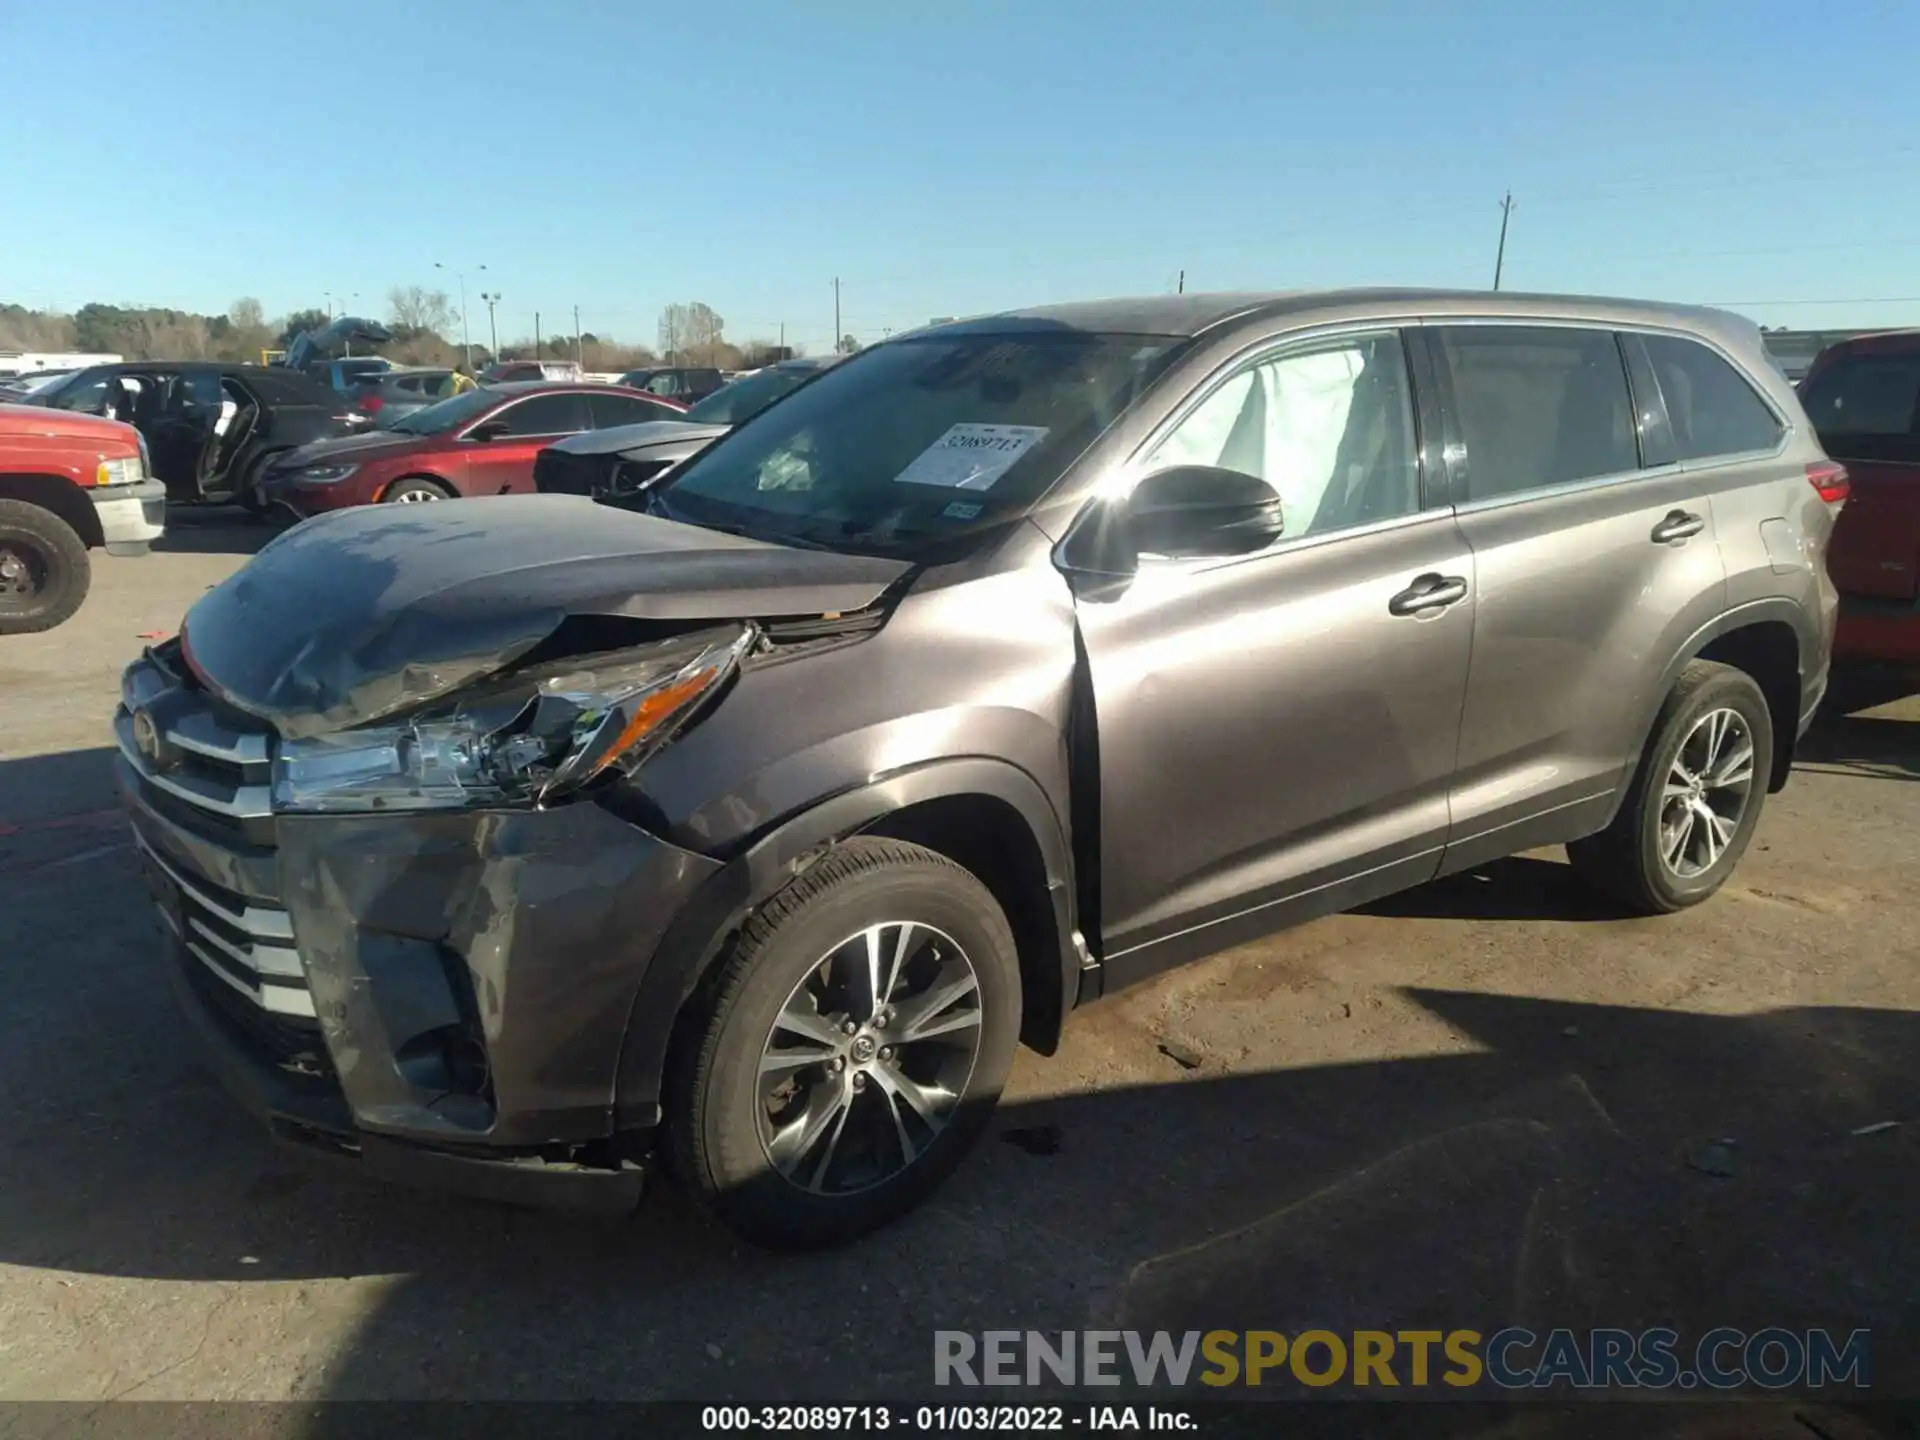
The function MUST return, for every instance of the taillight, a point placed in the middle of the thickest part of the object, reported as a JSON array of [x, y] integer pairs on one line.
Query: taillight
[[1830, 480], [371, 404]]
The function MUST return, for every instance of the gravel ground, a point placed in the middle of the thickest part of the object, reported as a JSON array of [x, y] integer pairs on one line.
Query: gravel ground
[[1483, 1103]]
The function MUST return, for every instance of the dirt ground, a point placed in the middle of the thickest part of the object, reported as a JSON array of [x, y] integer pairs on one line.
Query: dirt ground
[[1484, 1103]]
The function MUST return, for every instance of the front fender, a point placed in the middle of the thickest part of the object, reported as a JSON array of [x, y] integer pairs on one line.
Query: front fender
[[699, 934]]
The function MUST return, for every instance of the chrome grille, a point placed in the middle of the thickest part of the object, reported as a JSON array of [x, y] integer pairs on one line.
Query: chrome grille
[[212, 772]]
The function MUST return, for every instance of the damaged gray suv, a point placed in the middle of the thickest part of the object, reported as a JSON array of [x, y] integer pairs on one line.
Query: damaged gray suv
[[520, 845]]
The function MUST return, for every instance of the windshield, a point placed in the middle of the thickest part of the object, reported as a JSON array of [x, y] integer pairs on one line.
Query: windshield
[[82, 390], [744, 398], [445, 415], [917, 440]]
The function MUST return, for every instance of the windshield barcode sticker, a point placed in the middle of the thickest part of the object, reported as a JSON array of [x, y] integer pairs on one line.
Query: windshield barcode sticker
[[972, 457]]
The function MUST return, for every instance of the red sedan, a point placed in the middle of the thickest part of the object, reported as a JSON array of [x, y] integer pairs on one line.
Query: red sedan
[[481, 442]]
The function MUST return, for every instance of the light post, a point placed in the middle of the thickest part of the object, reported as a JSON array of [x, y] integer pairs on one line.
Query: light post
[[466, 345], [493, 334]]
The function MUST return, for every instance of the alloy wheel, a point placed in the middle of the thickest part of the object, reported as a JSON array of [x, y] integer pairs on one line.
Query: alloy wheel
[[23, 576], [869, 1057], [1706, 793]]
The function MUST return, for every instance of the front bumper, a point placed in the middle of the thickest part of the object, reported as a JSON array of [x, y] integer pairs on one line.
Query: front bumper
[[131, 517], [442, 999]]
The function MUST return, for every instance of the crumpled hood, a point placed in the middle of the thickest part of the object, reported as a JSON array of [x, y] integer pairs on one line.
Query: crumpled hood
[[618, 438], [362, 613]]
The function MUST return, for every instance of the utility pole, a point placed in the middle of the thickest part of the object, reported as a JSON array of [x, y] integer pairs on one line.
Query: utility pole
[[579, 355], [836, 314], [466, 344], [783, 339], [536, 335], [1500, 255], [1183, 284], [493, 332]]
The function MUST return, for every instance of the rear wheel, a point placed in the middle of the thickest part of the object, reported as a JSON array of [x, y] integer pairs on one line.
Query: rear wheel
[[415, 490], [44, 569], [1695, 799], [850, 1050]]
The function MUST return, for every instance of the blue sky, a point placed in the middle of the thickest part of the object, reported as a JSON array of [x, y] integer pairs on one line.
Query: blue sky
[[954, 158]]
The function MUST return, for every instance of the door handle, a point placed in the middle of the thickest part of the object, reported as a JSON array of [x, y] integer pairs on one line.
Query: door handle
[[1677, 526], [1429, 592]]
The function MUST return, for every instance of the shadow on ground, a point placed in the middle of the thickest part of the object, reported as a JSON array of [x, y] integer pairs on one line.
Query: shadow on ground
[[1851, 740], [1570, 1165], [216, 530]]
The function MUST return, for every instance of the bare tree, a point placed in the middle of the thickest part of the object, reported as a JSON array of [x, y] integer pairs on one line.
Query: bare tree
[[416, 311], [691, 331], [246, 314]]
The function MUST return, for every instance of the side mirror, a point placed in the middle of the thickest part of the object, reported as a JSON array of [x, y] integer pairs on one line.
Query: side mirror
[[488, 430], [1198, 511]]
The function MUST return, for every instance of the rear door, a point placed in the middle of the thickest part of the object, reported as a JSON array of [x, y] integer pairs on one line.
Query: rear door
[[504, 464], [185, 409], [1592, 572], [1866, 409]]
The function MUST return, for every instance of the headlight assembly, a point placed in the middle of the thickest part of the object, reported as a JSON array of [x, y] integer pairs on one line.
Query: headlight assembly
[[326, 474], [525, 741]]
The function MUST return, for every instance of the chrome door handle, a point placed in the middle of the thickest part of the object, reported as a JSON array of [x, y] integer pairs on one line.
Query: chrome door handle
[[1428, 592], [1677, 526]]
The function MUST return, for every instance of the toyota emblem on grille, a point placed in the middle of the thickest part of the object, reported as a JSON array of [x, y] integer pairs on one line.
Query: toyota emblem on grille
[[149, 742]]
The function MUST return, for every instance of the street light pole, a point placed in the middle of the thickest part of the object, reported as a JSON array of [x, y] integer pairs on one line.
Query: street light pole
[[461, 275], [493, 334]]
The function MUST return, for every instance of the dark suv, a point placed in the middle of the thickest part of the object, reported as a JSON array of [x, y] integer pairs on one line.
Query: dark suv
[[757, 818]]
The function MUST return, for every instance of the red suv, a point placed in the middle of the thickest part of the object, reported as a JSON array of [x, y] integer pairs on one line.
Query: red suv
[[1863, 396], [481, 442]]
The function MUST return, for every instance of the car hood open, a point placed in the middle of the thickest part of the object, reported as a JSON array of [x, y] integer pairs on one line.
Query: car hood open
[[617, 439], [363, 613]]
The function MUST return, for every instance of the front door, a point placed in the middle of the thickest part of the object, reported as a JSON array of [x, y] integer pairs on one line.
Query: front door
[[1276, 732], [503, 465], [1593, 573], [184, 408]]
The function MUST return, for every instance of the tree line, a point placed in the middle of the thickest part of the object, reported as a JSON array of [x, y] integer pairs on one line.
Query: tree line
[[426, 329]]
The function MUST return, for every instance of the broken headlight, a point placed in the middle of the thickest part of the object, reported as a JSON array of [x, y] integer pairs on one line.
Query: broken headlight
[[532, 739]]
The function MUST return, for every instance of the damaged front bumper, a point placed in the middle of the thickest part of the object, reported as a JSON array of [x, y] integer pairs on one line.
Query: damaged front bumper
[[437, 998]]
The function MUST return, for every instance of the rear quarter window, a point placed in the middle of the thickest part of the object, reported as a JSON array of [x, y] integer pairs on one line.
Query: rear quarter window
[[1712, 408]]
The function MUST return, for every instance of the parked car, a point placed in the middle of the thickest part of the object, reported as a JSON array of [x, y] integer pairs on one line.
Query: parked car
[[480, 442], [68, 484], [213, 429], [757, 819], [312, 348], [687, 384], [1863, 396], [508, 372], [393, 395], [16, 389], [620, 461]]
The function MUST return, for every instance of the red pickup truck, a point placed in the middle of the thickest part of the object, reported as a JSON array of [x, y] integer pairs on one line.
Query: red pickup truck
[[68, 483], [1863, 396]]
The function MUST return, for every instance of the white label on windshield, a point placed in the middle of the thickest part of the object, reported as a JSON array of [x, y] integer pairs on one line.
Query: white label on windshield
[[972, 457]]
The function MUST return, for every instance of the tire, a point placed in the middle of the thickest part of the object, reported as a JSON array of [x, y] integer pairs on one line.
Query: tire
[[412, 489], [802, 952], [44, 569], [1626, 860]]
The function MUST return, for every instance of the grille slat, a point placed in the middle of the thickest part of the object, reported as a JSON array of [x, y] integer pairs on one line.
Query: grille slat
[[212, 767]]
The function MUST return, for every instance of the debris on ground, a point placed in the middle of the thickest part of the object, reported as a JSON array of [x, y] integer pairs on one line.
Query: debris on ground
[[1186, 1056], [1875, 1128]]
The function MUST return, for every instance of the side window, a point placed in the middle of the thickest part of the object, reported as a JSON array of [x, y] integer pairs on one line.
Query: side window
[[611, 410], [1712, 409], [665, 384], [1538, 405], [1330, 428], [1863, 395], [90, 398], [545, 415]]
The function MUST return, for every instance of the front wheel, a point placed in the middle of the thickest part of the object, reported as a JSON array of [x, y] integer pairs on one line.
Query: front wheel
[[850, 1050], [44, 569], [1695, 798], [415, 490]]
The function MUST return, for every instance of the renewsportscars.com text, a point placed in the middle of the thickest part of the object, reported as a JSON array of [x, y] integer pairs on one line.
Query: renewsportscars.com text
[[1513, 1358]]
